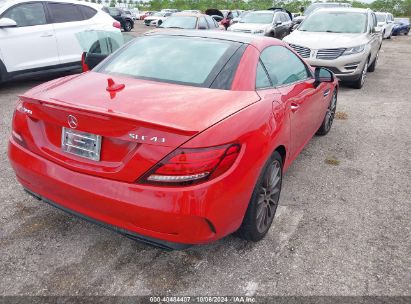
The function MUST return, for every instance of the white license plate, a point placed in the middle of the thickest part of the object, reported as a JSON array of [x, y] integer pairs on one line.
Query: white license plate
[[81, 144]]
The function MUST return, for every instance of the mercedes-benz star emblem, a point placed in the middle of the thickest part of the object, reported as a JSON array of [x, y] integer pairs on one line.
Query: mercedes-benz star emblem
[[72, 121]]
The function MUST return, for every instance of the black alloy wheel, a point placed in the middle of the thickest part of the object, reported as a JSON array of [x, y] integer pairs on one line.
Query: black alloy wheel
[[264, 201], [329, 116]]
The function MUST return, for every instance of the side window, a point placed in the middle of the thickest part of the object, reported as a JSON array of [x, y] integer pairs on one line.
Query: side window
[[210, 21], [374, 21], [202, 23], [61, 12], [27, 14], [87, 12], [286, 17], [261, 78], [277, 18], [216, 23], [283, 66], [113, 12]]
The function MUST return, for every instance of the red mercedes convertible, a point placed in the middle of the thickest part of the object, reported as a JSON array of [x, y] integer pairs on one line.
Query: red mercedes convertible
[[177, 138]]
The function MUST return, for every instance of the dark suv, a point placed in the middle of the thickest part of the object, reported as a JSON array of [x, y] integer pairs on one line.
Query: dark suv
[[126, 21]]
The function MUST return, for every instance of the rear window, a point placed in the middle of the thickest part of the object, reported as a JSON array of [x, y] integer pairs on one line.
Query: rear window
[[87, 12], [173, 59]]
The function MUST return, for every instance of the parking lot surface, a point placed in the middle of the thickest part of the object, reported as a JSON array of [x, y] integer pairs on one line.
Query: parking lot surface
[[342, 228]]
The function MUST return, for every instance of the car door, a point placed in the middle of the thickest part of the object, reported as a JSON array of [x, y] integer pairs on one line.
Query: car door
[[304, 103], [390, 24], [32, 44], [68, 21], [374, 37]]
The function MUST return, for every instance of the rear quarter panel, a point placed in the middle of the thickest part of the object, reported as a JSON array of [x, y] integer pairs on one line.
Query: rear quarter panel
[[260, 132]]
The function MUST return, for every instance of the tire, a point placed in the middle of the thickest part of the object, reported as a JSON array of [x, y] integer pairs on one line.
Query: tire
[[329, 116], [263, 204], [159, 22], [128, 26], [358, 84], [372, 66]]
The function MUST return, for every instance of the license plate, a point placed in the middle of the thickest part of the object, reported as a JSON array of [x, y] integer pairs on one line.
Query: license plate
[[81, 144]]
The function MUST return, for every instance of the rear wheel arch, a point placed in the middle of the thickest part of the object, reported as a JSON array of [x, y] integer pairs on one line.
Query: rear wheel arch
[[3, 71], [283, 152]]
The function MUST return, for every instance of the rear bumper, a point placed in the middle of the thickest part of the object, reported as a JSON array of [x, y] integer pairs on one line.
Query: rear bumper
[[129, 234], [161, 216]]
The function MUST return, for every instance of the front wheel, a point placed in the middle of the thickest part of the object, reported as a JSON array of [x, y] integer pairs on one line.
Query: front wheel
[[358, 84], [127, 26], [329, 116], [373, 65], [264, 201]]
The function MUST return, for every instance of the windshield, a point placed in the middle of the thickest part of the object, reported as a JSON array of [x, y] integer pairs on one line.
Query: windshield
[[380, 17], [261, 18], [183, 22], [316, 6], [158, 14], [335, 22], [170, 59]]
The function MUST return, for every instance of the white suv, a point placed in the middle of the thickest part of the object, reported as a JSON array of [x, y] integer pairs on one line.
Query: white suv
[[345, 40], [386, 23], [38, 35]]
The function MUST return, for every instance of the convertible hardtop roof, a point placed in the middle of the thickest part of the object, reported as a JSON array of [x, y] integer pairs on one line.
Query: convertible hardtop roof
[[222, 35]]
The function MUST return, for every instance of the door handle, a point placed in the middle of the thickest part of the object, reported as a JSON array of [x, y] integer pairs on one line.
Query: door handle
[[46, 35], [294, 107], [326, 92]]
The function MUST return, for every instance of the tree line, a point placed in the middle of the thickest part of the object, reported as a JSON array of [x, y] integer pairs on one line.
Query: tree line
[[396, 7]]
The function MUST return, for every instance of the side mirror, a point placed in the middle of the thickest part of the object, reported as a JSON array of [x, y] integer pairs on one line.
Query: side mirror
[[322, 75], [7, 23], [278, 22]]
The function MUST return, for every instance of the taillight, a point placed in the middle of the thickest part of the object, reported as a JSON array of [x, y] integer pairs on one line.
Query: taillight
[[191, 166], [20, 109], [117, 24], [84, 65]]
